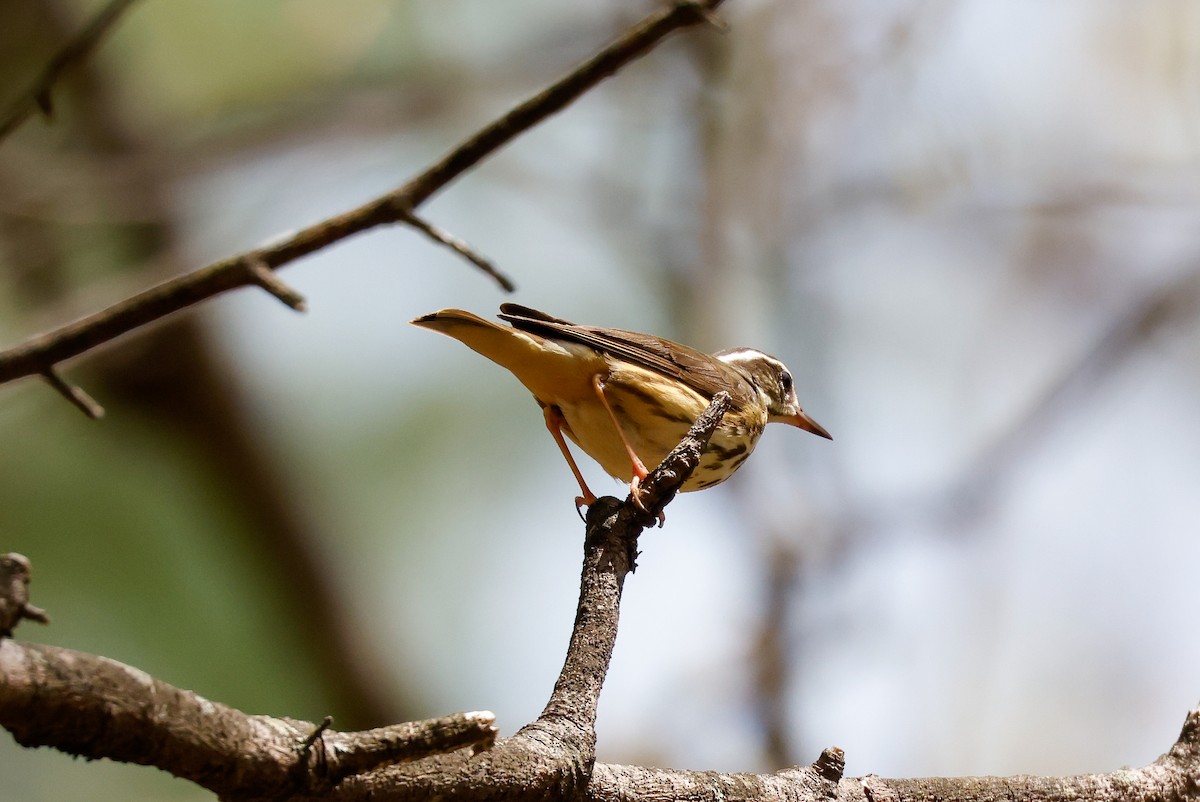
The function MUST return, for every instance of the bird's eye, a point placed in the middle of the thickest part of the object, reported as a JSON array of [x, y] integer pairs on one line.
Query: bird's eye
[[785, 381]]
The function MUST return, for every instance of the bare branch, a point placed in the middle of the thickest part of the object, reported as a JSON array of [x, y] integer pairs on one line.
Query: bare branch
[[610, 550], [38, 354], [92, 706], [773, 676], [664, 481], [353, 753], [73, 393], [1174, 777], [95, 707], [1171, 304], [816, 783], [119, 712], [458, 246], [38, 96], [263, 276]]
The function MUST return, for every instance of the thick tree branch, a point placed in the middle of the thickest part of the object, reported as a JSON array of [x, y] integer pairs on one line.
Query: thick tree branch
[[816, 783], [40, 354], [95, 707], [1174, 777], [38, 96]]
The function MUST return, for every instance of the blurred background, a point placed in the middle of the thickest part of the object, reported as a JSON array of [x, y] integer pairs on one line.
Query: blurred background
[[970, 228]]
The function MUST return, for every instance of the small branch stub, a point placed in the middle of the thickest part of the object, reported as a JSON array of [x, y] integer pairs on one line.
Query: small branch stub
[[73, 393], [14, 594], [262, 275], [325, 724], [443, 237]]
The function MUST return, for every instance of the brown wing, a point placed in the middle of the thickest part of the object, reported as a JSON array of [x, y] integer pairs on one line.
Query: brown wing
[[703, 373]]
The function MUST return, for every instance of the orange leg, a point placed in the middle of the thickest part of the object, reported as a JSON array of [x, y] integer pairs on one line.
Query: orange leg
[[639, 468], [554, 422]]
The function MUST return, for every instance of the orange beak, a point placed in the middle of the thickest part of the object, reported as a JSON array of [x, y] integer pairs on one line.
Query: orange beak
[[801, 421]]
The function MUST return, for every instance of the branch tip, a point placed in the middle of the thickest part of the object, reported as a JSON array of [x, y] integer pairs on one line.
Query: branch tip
[[481, 717], [1190, 734], [262, 275], [14, 594], [443, 237], [73, 393]]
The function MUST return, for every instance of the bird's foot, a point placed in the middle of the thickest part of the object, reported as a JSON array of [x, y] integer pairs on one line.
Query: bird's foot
[[635, 492], [584, 501]]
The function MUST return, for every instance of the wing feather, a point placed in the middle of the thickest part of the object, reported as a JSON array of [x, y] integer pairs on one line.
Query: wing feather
[[703, 373]]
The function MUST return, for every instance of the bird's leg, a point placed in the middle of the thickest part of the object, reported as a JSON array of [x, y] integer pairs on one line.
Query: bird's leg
[[554, 422], [639, 468]]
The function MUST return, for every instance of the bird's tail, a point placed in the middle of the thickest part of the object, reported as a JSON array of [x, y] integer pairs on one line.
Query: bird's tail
[[542, 366]]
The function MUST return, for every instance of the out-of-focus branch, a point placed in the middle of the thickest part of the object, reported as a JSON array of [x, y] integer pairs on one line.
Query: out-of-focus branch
[[40, 354], [773, 673], [1175, 301], [461, 248], [38, 96]]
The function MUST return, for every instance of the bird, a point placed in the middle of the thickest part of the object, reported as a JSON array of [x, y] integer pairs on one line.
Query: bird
[[625, 398]]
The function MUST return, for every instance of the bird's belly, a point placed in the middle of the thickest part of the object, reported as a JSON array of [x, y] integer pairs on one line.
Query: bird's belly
[[654, 417]]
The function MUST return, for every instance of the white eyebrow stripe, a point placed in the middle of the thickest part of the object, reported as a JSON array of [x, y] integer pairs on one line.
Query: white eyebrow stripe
[[748, 355]]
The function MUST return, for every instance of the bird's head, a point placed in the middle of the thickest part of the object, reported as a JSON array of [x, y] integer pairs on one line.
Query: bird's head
[[774, 383]]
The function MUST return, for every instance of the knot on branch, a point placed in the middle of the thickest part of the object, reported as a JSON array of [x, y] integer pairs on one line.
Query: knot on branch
[[14, 594], [831, 764]]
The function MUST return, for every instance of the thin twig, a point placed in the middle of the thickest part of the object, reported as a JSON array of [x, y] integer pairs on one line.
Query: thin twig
[[265, 277], [657, 490], [443, 237], [1172, 303], [38, 96], [37, 354], [73, 393]]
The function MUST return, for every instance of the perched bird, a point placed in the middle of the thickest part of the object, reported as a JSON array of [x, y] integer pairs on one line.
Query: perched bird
[[626, 398]]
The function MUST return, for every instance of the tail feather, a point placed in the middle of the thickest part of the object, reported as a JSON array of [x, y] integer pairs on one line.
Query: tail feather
[[497, 342], [546, 368]]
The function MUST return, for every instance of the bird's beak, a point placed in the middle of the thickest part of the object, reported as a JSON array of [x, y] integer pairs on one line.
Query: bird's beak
[[801, 421]]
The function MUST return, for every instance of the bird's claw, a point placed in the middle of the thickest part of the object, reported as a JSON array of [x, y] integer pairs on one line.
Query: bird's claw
[[635, 492], [581, 502]]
